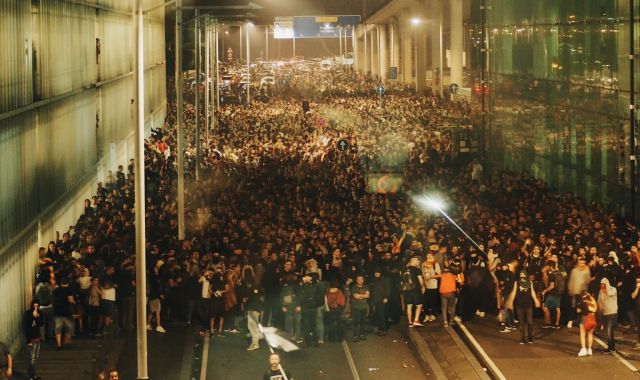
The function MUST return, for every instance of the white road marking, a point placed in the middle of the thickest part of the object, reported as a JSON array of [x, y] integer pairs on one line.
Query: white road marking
[[485, 357], [352, 365], [622, 360], [205, 358]]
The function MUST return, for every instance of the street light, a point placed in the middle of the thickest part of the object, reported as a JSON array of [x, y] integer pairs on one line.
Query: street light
[[248, 25], [224, 44], [433, 203], [415, 22]]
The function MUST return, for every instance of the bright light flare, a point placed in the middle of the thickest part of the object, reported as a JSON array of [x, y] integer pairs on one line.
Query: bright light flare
[[430, 203], [415, 21]]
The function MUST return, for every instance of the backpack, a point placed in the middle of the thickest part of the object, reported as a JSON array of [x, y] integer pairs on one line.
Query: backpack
[[560, 279], [406, 281], [43, 295]]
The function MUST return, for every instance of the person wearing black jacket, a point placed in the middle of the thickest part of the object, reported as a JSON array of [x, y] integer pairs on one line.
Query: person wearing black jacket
[[32, 321], [308, 294], [380, 291]]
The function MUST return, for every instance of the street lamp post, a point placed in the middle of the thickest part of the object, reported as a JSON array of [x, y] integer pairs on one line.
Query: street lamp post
[[197, 92], [340, 38], [179, 78], [141, 265], [240, 49], [266, 42], [217, 58], [415, 22], [207, 81], [248, 62], [224, 44]]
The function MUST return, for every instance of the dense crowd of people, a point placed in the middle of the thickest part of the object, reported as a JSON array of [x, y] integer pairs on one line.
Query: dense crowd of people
[[284, 228]]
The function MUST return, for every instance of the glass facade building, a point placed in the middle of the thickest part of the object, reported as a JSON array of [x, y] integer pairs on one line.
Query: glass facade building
[[558, 92]]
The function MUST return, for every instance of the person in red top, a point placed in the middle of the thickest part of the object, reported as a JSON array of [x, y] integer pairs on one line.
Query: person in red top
[[450, 281], [334, 304]]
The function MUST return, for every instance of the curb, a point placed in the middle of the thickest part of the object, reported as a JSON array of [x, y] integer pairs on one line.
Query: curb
[[425, 356]]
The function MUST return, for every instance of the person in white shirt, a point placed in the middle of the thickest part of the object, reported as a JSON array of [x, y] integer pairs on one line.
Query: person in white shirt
[[430, 272], [205, 300]]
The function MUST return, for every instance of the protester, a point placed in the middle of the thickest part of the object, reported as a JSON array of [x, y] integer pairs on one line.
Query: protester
[[587, 308], [360, 294], [525, 298], [32, 321], [276, 372], [413, 288], [380, 293], [608, 306], [63, 302], [335, 302]]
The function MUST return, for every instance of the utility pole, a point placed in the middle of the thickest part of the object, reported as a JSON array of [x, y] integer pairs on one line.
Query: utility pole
[[140, 211], [179, 121], [248, 64], [197, 92], [207, 80]]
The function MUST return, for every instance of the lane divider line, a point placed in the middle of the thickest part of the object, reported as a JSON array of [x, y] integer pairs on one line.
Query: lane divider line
[[482, 353], [352, 364], [617, 355], [205, 358]]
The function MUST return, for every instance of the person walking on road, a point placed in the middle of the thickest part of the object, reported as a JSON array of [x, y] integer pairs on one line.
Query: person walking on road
[[155, 296], [608, 305], [579, 279], [32, 321], [587, 308], [450, 282], [253, 303], [525, 298]]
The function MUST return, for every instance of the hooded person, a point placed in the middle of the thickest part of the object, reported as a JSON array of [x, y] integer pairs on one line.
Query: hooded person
[[608, 306], [524, 298]]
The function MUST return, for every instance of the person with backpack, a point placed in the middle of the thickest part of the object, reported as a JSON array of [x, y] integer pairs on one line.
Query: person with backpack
[[556, 281], [44, 295], [412, 287], [587, 308]]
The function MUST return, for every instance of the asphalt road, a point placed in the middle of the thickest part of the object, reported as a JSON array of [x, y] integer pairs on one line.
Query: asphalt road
[[553, 355], [176, 355]]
